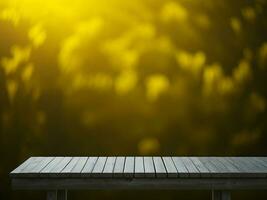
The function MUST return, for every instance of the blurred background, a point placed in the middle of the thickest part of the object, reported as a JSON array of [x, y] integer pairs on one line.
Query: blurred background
[[140, 77]]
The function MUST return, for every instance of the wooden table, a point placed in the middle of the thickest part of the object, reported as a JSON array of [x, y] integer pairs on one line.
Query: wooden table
[[57, 175]]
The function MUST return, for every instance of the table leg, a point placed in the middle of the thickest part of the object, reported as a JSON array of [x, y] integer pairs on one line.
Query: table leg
[[62, 194], [57, 195], [51, 195], [221, 195]]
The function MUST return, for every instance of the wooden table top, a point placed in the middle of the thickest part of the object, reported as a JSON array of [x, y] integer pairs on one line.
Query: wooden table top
[[142, 167]]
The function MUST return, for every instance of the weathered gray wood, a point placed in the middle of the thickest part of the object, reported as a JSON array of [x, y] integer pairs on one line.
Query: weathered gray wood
[[79, 166], [264, 159], [246, 167], [32, 164], [140, 183], [248, 164], [226, 173], [221, 195], [170, 167], [192, 170], [220, 166], [66, 171], [35, 167], [22, 166], [109, 166], [129, 167], [159, 167], [255, 165], [204, 171], [182, 170], [228, 165], [143, 167], [119, 167], [241, 169], [259, 160], [239, 162], [61, 165], [139, 170], [214, 171], [75, 165], [99, 167], [42, 164], [149, 167], [89, 166], [49, 168]]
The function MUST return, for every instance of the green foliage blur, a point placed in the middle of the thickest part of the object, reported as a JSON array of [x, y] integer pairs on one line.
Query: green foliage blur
[[141, 77]]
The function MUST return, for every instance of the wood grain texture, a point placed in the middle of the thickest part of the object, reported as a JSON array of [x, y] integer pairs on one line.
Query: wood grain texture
[[142, 167], [181, 168], [161, 171], [99, 167], [129, 167], [170, 167], [119, 167], [204, 171], [109, 166], [89, 166], [149, 167], [139, 170]]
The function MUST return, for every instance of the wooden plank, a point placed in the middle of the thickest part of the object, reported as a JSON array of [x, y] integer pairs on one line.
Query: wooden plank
[[99, 167], [182, 170], [109, 166], [139, 171], [256, 165], [223, 167], [243, 164], [227, 169], [61, 165], [129, 167], [220, 166], [234, 171], [260, 161], [70, 165], [170, 167], [192, 170], [149, 167], [48, 168], [34, 172], [214, 171], [32, 165], [119, 167], [23, 165], [246, 170], [264, 159], [204, 171], [159, 167], [77, 169], [89, 166]]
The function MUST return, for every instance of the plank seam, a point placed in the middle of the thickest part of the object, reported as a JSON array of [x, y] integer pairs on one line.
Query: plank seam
[[153, 166], [66, 164], [47, 164], [104, 165], [114, 166], [94, 165], [83, 165]]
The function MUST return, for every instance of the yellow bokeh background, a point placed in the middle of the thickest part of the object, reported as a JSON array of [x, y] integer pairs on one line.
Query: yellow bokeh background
[[141, 77]]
